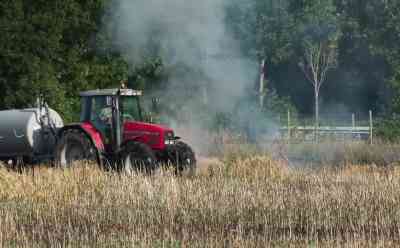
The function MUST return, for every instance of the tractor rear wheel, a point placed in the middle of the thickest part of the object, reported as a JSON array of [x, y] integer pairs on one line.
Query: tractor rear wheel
[[74, 146], [184, 158], [137, 157]]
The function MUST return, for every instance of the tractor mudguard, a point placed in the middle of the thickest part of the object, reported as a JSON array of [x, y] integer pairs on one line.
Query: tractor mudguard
[[89, 130], [91, 133]]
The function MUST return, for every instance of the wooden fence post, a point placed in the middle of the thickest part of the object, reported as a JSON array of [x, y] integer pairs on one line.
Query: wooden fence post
[[288, 125], [353, 125], [371, 128]]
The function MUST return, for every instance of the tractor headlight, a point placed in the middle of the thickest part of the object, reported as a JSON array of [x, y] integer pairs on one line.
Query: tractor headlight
[[170, 142], [169, 138]]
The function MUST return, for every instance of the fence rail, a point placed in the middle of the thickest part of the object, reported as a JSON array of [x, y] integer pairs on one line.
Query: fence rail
[[292, 131]]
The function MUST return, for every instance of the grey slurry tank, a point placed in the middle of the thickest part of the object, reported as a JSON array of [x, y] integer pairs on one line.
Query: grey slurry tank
[[28, 132]]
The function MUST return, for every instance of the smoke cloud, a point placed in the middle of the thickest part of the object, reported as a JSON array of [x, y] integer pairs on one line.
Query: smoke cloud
[[194, 36], [188, 33]]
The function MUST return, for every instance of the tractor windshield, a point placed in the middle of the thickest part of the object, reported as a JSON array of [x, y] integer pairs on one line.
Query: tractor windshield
[[131, 110], [96, 109]]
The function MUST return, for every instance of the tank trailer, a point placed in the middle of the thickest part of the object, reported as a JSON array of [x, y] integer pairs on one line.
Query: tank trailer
[[112, 133]]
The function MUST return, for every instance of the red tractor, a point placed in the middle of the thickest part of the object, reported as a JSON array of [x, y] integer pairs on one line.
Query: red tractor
[[113, 133]]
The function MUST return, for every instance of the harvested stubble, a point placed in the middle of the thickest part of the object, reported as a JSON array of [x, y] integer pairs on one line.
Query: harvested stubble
[[246, 202]]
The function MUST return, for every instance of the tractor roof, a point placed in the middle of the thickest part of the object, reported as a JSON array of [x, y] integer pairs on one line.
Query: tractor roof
[[111, 92]]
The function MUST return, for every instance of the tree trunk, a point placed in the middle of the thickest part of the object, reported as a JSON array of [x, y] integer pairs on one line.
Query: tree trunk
[[316, 132]]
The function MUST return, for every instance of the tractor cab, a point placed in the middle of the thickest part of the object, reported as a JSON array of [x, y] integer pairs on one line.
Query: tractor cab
[[107, 110]]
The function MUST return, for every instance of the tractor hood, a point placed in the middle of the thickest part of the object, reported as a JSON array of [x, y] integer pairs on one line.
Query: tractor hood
[[153, 135], [143, 126]]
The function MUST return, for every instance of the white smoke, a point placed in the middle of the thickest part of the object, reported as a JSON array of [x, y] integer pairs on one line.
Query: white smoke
[[188, 32], [192, 35]]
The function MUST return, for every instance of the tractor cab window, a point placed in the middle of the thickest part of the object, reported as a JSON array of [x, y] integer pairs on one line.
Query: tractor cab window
[[131, 109], [101, 110], [96, 109], [100, 113], [85, 105]]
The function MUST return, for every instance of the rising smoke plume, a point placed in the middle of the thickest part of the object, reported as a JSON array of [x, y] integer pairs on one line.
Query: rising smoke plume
[[189, 33], [194, 35]]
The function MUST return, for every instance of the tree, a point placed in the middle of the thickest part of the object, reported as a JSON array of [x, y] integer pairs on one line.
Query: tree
[[320, 36], [382, 29], [318, 59], [275, 29], [55, 49]]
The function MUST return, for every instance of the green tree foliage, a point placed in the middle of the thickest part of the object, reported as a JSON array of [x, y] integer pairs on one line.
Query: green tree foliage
[[50, 48], [275, 26], [383, 19]]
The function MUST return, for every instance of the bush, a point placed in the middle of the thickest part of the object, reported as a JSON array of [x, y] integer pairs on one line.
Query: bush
[[389, 129]]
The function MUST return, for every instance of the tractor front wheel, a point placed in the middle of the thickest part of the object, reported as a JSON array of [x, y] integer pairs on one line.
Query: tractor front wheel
[[137, 157], [74, 147], [184, 158]]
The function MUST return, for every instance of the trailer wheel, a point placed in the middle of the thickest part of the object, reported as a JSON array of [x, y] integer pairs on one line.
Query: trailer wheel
[[184, 158], [137, 157], [16, 164], [73, 147]]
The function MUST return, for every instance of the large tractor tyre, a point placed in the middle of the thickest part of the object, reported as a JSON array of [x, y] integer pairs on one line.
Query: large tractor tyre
[[137, 157], [184, 158], [74, 146]]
